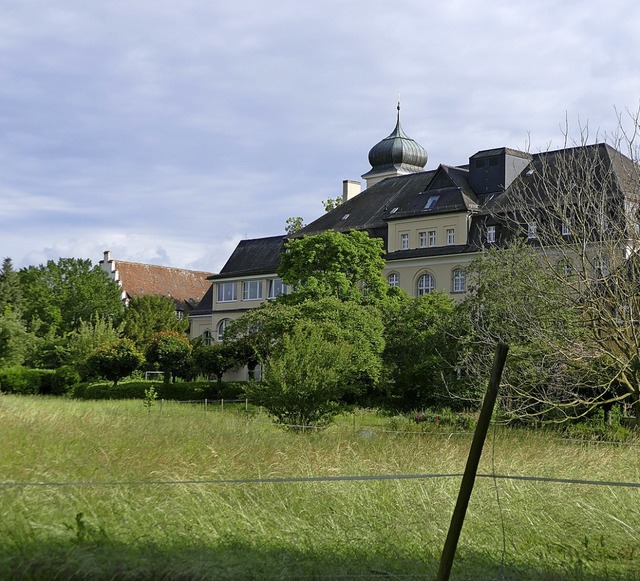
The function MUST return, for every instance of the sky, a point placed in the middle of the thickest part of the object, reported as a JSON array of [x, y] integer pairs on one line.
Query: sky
[[166, 132]]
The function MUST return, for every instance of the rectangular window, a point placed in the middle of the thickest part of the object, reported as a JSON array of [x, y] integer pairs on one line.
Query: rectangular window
[[432, 237], [565, 229], [227, 291], [276, 288], [491, 234], [252, 290], [451, 236], [422, 239], [404, 241], [532, 231]]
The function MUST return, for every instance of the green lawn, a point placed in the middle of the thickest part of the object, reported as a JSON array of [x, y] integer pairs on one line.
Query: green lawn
[[367, 529]]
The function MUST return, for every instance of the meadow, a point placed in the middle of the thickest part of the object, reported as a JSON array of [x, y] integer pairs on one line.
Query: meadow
[[111, 490]]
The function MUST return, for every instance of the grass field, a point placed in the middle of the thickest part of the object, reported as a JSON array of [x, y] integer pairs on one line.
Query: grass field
[[172, 529]]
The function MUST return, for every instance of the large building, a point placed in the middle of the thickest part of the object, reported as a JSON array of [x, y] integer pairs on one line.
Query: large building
[[433, 222]]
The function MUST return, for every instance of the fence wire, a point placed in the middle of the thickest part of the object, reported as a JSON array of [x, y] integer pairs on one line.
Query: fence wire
[[302, 479]]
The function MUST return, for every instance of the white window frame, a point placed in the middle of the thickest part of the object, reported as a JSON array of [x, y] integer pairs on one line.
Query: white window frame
[[458, 280], [393, 279], [404, 241], [252, 290], [491, 234], [451, 236], [532, 231], [433, 238], [221, 328], [280, 288], [426, 284], [223, 290], [565, 229], [422, 239]]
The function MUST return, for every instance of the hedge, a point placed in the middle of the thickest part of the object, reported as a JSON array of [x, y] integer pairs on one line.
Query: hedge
[[23, 380], [181, 391]]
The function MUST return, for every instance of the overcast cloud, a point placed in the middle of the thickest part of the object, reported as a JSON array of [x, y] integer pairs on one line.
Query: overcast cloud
[[167, 131]]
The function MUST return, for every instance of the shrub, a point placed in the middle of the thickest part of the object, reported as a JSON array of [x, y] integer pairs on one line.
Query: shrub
[[305, 378], [23, 380], [64, 379]]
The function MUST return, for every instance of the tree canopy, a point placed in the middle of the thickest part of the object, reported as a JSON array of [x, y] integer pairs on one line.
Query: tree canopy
[[59, 295], [347, 266], [147, 315]]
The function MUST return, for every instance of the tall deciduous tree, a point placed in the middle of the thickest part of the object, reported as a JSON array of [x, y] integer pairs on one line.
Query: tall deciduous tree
[[420, 353], [347, 266], [147, 315], [581, 209], [59, 295], [10, 293]]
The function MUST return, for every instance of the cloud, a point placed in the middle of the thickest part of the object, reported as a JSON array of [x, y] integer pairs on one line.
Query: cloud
[[168, 131]]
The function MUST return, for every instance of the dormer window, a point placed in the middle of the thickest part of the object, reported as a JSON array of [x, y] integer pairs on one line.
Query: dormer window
[[431, 202]]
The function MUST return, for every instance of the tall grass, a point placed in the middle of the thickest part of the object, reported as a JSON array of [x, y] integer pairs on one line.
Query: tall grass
[[296, 530]]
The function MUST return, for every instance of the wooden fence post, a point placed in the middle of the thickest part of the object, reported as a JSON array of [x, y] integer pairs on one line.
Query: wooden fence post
[[471, 469]]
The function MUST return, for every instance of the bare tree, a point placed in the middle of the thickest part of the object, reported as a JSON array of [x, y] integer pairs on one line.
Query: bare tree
[[579, 208]]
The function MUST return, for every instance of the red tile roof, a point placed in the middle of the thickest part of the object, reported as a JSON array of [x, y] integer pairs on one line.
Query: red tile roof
[[185, 287]]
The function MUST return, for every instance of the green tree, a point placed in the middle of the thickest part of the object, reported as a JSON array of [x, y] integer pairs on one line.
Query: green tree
[[332, 203], [305, 376], [261, 331], [514, 299], [59, 295], [171, 351], [16, 343], [215, 359], [420, 353], [10, 292], [84, 340], [115, 361], [347, 266], [147, 315], [294, 224]]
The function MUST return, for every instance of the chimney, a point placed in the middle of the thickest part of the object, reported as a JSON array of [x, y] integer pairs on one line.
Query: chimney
[[350, 189]]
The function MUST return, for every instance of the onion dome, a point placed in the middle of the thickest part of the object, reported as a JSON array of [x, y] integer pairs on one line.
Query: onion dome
[[397, 153]]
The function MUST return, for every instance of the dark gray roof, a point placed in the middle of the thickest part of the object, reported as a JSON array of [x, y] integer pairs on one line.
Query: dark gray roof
[[447, 191], [370, 209], [256, 256]]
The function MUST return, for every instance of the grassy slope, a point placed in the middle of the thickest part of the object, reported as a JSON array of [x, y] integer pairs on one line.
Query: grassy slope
[[295, 530]]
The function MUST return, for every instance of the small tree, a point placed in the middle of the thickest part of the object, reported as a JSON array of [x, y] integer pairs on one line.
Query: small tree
[[116, 360], [215, 359], [171, 351], [305, 377]]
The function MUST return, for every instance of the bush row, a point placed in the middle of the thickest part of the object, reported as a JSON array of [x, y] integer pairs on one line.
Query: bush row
[[182, 391], [23, 380]]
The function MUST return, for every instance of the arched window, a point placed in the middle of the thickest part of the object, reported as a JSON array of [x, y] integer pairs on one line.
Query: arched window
[[459, 282], [426, 284], [207, 337], [222, 325], [394, 279]]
